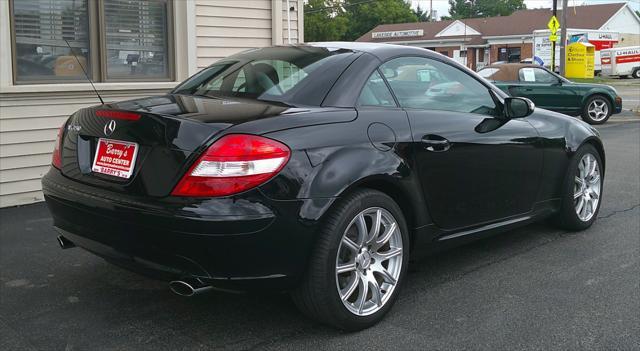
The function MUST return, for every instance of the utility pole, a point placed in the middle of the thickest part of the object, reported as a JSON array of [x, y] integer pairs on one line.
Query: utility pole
[[431, 11], [563, 38], [553, 43]]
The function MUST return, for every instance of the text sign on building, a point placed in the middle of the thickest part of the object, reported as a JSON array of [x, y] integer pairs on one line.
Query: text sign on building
[[398, 34]]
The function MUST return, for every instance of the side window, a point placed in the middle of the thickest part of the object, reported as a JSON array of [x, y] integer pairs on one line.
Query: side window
[[444, 87], [536, 75], [544, 76], [240, 85], [376, 93]]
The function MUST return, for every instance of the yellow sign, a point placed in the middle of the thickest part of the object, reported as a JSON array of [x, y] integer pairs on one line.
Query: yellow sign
[[553, 25], [553, 37]]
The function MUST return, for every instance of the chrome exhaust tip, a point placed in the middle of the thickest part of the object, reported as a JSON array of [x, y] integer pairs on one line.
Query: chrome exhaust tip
[[188, 287], [65, 243]]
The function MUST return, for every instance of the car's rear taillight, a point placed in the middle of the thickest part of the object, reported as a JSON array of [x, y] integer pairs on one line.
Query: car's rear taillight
[[56, 158], [235, 163]]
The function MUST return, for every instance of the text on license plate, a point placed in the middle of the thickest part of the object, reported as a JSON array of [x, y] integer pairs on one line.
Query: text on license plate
[[115, 158]]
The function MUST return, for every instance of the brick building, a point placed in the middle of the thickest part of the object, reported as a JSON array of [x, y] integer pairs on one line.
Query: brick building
[[480, 41]]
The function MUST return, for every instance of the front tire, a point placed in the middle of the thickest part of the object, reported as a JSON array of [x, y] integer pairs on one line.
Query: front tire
[[582, 190], [359, 263], [597, 110]]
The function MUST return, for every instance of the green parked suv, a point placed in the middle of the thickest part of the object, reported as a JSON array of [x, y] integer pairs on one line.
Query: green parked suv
[[594, 102]]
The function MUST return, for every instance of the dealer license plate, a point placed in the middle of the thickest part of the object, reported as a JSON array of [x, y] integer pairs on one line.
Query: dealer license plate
[[115, 158]]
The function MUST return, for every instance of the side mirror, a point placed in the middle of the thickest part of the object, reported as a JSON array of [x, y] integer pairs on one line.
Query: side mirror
[[518, 107]]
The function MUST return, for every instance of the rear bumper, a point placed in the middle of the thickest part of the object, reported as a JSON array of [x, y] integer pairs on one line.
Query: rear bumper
[[238, 243]]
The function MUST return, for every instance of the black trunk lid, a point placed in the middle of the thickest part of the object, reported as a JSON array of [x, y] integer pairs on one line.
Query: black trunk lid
[[170, 132]]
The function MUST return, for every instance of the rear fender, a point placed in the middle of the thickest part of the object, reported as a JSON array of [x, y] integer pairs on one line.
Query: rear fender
[[369, 168]]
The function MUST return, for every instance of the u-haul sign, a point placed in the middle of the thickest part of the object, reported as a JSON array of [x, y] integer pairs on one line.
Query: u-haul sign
[[621, 61]]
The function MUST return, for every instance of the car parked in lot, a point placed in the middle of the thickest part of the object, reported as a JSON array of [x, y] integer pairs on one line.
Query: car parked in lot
[[317, 169], [594, 102]]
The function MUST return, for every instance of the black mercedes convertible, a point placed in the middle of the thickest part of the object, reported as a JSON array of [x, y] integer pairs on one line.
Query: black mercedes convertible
[[316, 170]]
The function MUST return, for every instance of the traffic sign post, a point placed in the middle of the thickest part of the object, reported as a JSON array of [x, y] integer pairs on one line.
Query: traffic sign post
[[553, 25]]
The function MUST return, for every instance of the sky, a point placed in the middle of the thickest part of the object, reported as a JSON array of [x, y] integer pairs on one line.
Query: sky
[[442, 6]]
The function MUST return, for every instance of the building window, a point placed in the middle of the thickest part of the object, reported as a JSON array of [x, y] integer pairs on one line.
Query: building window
[[41, 28], [114, 40], [136, 39], [509, 54]]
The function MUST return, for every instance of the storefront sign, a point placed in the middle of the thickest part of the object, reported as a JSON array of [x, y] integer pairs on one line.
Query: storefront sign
[[398, 34]]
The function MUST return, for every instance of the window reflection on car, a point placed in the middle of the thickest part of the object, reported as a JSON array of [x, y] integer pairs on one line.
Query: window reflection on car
[[430, 84]]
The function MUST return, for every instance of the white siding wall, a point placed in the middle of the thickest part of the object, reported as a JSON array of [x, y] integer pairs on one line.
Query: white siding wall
[[31, 115], [225, 27], [294, 22]]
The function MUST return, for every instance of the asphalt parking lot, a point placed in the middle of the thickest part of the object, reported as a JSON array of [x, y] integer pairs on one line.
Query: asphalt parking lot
[[532, 288], [629, 90]]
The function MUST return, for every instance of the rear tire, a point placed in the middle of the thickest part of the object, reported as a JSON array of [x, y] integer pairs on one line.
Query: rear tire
[[350, 284], [636, 73], [582, 190], [597, 110]]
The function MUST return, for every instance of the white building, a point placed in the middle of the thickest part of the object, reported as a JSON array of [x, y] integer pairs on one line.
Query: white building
[[132, 48]]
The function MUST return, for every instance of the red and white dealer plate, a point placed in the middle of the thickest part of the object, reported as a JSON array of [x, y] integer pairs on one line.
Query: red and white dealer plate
[[115, 158]]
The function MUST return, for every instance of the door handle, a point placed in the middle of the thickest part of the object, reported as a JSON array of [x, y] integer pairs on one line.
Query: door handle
[[436, 143]]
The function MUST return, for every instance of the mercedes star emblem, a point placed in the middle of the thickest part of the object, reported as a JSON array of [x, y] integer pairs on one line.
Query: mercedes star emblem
[[110, 127]]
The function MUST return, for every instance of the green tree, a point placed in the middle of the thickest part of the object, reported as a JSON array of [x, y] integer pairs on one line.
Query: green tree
[[491, 8], [324, 20], [461, 9], [422, 15], [364, 16], [483, 8]]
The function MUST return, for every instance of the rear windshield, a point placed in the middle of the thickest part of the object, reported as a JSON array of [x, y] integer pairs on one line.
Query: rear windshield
[[270, 74]]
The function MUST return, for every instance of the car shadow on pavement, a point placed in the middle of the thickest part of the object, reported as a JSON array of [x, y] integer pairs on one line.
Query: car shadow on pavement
[[143, 299]]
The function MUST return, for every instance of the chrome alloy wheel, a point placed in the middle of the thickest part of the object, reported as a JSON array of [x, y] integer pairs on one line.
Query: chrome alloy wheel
[[598, 109], [369, 261], [587, 188]]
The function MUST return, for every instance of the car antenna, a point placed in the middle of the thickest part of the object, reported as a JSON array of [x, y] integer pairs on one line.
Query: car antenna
[[84, 71]]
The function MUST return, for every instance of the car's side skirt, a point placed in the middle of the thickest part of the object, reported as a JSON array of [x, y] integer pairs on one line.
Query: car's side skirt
[[430, 238]]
